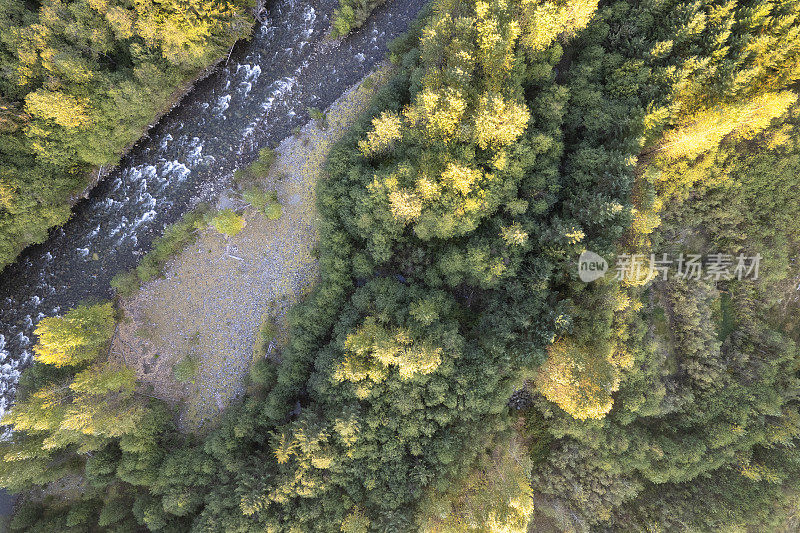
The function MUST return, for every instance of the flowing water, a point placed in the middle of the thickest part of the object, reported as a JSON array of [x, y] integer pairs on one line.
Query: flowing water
[[251, 101]]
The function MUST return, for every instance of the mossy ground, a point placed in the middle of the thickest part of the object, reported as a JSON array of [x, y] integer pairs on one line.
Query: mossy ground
[[211, 302]]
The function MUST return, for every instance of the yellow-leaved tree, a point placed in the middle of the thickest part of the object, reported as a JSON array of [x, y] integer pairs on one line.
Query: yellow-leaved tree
[[75, 338], [545, 20]]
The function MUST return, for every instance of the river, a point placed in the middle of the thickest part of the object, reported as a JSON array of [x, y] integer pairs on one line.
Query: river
[[253, 100]]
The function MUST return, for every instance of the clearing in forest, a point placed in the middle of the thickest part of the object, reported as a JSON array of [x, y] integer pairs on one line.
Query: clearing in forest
[[209, 305]]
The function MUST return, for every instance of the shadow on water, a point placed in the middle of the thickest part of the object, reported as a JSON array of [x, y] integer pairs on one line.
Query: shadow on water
[[253, 100]]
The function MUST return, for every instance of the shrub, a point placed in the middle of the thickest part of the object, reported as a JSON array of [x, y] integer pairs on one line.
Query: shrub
[[265, 201], [241, 175], [149, 269], [228, 222], [351, 15], [256, 170], [267, 156], [274, 210], [256, 197], [266, 335], [319, 117]]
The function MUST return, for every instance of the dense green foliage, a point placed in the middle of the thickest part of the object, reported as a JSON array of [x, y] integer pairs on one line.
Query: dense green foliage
[[516, 135], [80, 81], [702, 431], [74, 406], [709, 411], [185, 370]]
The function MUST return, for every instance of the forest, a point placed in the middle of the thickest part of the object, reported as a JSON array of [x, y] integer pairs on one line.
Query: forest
[[451, 371]]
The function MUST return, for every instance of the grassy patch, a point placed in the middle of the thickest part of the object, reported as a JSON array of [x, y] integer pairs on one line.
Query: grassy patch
[[368, 84], [185, 370], [264, 371]]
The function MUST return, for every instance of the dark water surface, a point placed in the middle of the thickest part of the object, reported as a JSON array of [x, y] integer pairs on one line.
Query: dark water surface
[[252, 101]]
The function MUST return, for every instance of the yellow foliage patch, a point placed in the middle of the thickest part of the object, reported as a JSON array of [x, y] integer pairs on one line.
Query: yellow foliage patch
[[580, 380]]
